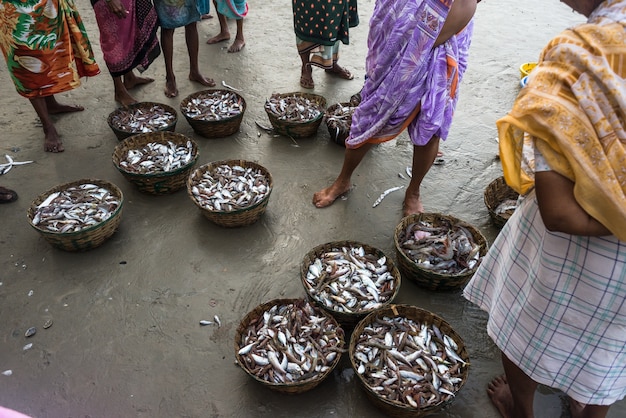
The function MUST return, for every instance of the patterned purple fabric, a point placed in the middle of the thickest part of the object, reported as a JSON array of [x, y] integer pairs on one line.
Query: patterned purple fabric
[[404, 71]]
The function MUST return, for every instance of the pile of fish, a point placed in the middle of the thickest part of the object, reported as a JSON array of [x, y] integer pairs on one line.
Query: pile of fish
[[339, 118], [506, 208], [408, 362], [349, 280], [143, 119], [290, 343], [155, 157], [75, 208], [445, 249], [293, 108], [214, 106], [228, 188]]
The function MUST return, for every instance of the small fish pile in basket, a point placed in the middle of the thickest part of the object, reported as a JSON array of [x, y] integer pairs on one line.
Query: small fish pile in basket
[[231, 193], [297, 115], [349, 279], [142, 117], [501, 201], [338, 120], [214, 113], [156, 162], [77, 216], [410, 362], [438, 252], [288, 345]]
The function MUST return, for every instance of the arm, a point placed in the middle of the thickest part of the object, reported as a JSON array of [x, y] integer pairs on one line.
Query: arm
[[460, 14], [559, 209]]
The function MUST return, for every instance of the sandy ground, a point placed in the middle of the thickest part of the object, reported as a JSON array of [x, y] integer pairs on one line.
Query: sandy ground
[[126, 339]]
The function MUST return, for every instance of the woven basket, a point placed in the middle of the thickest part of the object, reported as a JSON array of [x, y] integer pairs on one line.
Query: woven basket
[[161, 182], [294, 387], [235, 218], [347, 319], [338, 135], [298, 130], [85, 239], [213, 128], [495, 193], [122, 134], [427, 278], [395, 408]]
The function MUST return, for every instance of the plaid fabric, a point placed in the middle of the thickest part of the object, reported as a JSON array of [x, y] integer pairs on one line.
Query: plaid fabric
[[556, 305]]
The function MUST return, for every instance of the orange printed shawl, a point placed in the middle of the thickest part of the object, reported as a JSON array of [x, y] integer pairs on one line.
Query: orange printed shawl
[[574, 108]]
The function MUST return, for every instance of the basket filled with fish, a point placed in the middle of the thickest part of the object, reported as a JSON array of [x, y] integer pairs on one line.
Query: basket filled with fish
[[438, 252], [156, 162], [288, 345], [338, 119], [142, 117], [501, 201], [297, 115], [409, 361], [79, 215], [231, 193], [349, 279], [214, 113]]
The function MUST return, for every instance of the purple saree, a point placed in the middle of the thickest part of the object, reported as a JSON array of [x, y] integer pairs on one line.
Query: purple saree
[[409, 83]]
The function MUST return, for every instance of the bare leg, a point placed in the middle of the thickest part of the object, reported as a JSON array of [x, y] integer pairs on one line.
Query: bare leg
[[55, 107], [224, 34], [239, 42], [122, 96], [306, 72], [191, 38], [579, 410], [52, 141], [131, 80], [167, 44], [423, 157], [512, 395], [341, 185]]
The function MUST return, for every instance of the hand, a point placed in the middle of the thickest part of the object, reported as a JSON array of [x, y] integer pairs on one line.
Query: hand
[[117, 8]]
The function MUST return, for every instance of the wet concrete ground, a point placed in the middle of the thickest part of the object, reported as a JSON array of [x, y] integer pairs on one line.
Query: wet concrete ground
[[126, 339]]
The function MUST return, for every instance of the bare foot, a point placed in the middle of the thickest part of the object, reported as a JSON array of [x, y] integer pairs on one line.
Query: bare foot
[[412, 204], [61, 108], [209, 82], [327, 196], [220, 37], [500, 394], [170, 88], [134, 81], [237, 45], [124, 98], [306, 77], [53, 144]]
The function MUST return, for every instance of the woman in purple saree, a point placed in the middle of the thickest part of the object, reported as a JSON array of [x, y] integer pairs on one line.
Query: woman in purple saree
[[414, 86]]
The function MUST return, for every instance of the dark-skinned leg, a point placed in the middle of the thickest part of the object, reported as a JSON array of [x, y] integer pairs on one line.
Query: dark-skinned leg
[[306, 72], [122, 96], [514, 394], [167, 45], [192, 40], [52, 141], [341, 185], [224, 34], [239, 42], [423, 157]]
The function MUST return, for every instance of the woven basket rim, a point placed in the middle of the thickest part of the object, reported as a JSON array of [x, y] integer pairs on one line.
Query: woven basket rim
[[318, 97], [141, 104], [393, 310], [41, 197], [212, 164], [184, 102], [253, 313], [349, 316], [474, 230], [144, 138]]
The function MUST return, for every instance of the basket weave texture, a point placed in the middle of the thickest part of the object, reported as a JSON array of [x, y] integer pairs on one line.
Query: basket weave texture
[[85, 239], [394, 408], [495, 193], [214, 128], [347, 319], [291, 387], [121, 135], [159, 183], [235, 218], [428, 279], [298, 130], [339, 134]]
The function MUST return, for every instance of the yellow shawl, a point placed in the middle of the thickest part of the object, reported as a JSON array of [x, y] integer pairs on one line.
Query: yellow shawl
[[574, 108]]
